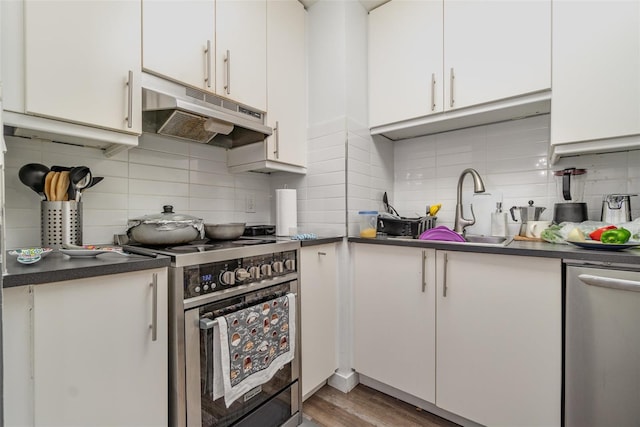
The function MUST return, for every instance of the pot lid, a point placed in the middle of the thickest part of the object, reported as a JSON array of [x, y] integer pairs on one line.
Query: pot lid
[[167, 216]]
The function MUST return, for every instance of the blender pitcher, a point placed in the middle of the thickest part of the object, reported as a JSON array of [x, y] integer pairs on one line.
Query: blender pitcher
[[570, 184], [570, 187]]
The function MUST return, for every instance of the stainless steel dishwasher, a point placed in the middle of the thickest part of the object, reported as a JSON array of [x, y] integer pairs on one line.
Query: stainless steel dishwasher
[[602, 345]]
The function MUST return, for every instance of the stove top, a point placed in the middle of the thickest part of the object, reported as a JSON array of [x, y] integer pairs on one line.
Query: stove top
[[213, 245], [205, 251]]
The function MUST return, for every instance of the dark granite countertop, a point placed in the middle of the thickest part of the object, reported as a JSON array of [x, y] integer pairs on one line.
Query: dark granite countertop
[[57, 267], [320, 241], [517, 247]]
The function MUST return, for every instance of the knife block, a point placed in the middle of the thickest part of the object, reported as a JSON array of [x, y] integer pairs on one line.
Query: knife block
[[61, 223]]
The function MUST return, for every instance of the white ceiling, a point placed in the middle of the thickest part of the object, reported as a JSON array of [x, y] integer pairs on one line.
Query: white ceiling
[[368, 4]]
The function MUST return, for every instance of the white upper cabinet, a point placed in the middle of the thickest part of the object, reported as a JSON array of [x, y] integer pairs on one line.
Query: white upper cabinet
[[286, 149], [495, 50], [405, 60], [596, 83], [82, 62], [179, 41], [241, 51], [430, 59]]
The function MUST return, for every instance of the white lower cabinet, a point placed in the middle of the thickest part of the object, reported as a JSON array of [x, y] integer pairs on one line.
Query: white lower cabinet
[[319, 312], [97, 351], [478, 335], [394, 317], [499, 338]]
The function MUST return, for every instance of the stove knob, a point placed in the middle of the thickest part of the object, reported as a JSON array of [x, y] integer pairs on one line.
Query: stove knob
[[205, 287], [265, 269], [197, 289], [290, 264], [242, 274], [254, 272], [278, 266], [228, 278]]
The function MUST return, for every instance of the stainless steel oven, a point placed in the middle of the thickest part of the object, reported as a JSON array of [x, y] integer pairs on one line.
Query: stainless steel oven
[[212, 279]]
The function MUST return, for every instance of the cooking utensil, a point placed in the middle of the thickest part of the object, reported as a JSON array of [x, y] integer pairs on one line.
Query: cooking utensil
[[616, 208], [387, 207], [80, 177], [165, 228], [229, 231], [94, 181], [33, 176]]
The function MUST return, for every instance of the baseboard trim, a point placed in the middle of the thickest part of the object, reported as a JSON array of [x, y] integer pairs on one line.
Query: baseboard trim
[[344, 381]]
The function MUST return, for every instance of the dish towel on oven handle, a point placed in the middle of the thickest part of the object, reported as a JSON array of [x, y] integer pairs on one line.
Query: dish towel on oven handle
[[251, 345]]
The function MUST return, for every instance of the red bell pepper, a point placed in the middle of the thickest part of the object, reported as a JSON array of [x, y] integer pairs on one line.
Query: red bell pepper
[[597, 233]]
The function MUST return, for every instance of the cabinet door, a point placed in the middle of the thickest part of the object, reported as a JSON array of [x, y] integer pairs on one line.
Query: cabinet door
[[496, 49], [319, 309], [394, 317], [596, 64], [95, 359], [241, 51], [405, 60], [499, 338], [175, 36], [82, 62], [286, 82]]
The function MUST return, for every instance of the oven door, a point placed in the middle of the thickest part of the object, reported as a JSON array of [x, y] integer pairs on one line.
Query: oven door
[[270, 404]]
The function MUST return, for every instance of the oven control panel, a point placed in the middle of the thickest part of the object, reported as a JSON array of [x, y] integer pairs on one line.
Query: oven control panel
[[207, 278]]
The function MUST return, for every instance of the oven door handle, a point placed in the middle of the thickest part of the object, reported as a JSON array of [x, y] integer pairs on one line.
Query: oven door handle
[[206, 323]]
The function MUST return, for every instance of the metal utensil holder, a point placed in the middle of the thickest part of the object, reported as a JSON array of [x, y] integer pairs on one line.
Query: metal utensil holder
[[61, 223]]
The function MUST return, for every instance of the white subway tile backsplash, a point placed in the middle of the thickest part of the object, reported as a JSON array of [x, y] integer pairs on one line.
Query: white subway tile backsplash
[[158, 173]]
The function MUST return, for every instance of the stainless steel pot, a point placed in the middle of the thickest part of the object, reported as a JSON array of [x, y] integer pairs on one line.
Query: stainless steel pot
[[229, 231], [165, 228]]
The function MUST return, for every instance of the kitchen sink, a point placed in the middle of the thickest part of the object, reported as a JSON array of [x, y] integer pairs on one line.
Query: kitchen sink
[[488, 240], [471, 239]]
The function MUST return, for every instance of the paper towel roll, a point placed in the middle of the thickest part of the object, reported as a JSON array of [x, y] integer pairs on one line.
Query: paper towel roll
[[286, 212]]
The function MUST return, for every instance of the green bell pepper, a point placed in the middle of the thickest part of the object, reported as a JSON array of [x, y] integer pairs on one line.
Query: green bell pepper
[[617, 236]]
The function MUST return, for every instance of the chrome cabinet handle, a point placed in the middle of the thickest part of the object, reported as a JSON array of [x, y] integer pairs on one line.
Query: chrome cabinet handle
[[444, 276], [452, 78], [130, 100], [154, 307], [424, 268], [433, 91], [227, 60], [276, 131], [611, 283], [207, 55], [322, 253]]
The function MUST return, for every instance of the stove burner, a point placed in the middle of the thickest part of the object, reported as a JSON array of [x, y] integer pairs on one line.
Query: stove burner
[[200, 247], [249, 242]]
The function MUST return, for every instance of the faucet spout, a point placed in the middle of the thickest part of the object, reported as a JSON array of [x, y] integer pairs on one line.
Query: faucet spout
[[478, 187]]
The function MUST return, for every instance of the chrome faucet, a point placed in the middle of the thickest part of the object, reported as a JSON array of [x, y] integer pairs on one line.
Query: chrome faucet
[[478, 187]]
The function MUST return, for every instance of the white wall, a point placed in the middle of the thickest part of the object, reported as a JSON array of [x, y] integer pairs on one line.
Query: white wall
[[192, 177], [511, 157]]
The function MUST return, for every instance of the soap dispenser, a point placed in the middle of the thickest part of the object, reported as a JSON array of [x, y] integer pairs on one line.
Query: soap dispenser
[[499, 221]]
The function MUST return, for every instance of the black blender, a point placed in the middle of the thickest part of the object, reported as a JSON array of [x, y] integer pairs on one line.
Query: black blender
[[570, 186]]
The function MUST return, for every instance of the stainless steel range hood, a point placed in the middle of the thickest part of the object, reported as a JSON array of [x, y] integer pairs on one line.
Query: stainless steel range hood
[[177, 111]]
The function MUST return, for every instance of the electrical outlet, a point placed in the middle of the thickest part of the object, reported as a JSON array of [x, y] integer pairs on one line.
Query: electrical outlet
[[250, 205]]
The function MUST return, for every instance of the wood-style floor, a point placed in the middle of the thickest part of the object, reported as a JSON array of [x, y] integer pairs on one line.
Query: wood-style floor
[[363, 407]]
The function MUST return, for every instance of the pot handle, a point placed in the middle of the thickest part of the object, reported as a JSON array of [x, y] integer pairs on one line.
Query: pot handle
[[512, 215], [566, 183]]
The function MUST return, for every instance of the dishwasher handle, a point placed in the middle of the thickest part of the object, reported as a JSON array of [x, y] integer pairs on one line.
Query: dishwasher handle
[[611, 283]]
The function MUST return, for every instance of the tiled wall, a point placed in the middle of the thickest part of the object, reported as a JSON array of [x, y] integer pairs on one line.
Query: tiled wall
[[192, 177], [511, 157]]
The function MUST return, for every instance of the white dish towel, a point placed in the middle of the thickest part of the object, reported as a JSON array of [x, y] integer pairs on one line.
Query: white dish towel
[[251, 345]]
